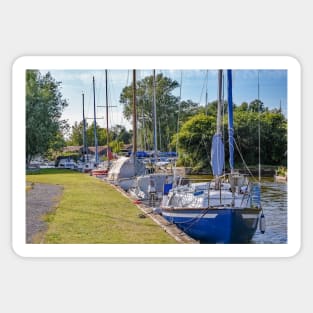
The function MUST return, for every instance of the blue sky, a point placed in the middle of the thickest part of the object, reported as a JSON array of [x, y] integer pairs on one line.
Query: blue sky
[[195, 83]]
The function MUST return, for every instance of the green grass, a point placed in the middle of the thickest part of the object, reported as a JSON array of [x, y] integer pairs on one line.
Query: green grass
[[91, 211]]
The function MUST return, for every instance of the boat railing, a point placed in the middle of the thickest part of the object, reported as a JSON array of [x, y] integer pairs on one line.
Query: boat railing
[[246, 193], [204, 194], [209, 194]]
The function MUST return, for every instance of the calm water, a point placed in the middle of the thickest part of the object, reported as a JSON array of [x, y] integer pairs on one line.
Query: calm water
[[274, 203]]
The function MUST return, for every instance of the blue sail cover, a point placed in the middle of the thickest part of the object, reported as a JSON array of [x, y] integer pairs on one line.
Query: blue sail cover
[[217, 155]]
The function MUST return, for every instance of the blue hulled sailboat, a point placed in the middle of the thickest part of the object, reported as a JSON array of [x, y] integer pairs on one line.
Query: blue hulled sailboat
[[224, 210]]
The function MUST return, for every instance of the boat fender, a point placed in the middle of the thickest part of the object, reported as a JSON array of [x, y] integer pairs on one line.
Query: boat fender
[[262, 224]]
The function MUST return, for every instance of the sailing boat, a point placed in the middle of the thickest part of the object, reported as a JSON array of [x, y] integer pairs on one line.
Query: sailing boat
[[152, 187], [87, 165], [220, 211], [124, 170], [101, 171]]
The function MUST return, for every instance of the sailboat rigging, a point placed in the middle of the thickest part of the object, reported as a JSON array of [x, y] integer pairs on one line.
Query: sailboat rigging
[[220, 211], [107, 118], [125, 170], [85, 151], [95, 122], [134, 117], [86, 165], [152, 187], [155, 121]]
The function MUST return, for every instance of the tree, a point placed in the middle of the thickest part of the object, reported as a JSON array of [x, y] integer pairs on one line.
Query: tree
[[44, 106], [211, 108], [194, 141], [116, 146], [76, 136], [101, 135], [243, 107], [117, 132], [195, 136], [56, 146], [256, 106], [120, 133], [167, 106], [187, 109], [273, 131]]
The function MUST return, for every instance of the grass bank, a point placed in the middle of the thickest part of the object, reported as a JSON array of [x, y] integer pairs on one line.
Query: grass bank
[[91, 211]]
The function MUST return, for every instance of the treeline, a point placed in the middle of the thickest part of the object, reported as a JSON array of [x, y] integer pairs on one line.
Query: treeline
[[195, 136], [44, 106], [196, 126], [169, 109], [118, 136], [45, 131]]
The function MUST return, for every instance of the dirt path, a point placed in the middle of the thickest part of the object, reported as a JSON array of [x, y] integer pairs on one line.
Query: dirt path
[[41, 199]]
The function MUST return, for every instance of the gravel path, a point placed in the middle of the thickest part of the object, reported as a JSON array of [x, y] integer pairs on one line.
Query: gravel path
[[41, 199]]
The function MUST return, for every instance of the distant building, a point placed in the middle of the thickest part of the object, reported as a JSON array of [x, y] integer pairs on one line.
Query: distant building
[[73, 149], [127, 149], [102, 150]]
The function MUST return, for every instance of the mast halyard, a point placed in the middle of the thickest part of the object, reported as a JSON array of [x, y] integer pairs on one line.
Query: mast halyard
[[155, 120], [134, 118], [95, 122], [217, 150], [219, 104], [107, 116], [259, 126], [85, 152], [230, 121]]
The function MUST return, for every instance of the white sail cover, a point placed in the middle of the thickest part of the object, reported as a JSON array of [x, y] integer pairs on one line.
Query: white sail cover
[[125, 168], [217, 155]]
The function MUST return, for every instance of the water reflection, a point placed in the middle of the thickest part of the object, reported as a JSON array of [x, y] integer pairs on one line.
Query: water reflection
[[274, 202]]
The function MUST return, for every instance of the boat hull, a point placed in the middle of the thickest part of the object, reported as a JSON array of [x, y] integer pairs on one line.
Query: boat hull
[[221, 225]]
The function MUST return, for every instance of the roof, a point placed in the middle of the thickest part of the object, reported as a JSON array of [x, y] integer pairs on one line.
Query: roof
[[100, 149], [72, 148], [127, 146]]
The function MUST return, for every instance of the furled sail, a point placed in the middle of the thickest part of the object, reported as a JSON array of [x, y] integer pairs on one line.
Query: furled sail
[[217, 155]]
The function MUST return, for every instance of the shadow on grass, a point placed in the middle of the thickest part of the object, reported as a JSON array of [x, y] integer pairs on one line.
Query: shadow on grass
[[45, 171]]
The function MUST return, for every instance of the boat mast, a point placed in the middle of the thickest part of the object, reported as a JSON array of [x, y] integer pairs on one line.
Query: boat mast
[[178, 117], [219, 104], [206, 93], [84, 129], [259, 127], [95, 123], [107, 115], [134, 117], [155, 120], [217, 149], [230, 121]]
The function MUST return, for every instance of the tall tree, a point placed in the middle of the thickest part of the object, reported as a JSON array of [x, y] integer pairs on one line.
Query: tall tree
[[167, 109], [194, 138], [76, 135], [120, 133], [117, 132], [256, 106], [44, 106], [194, 141]]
